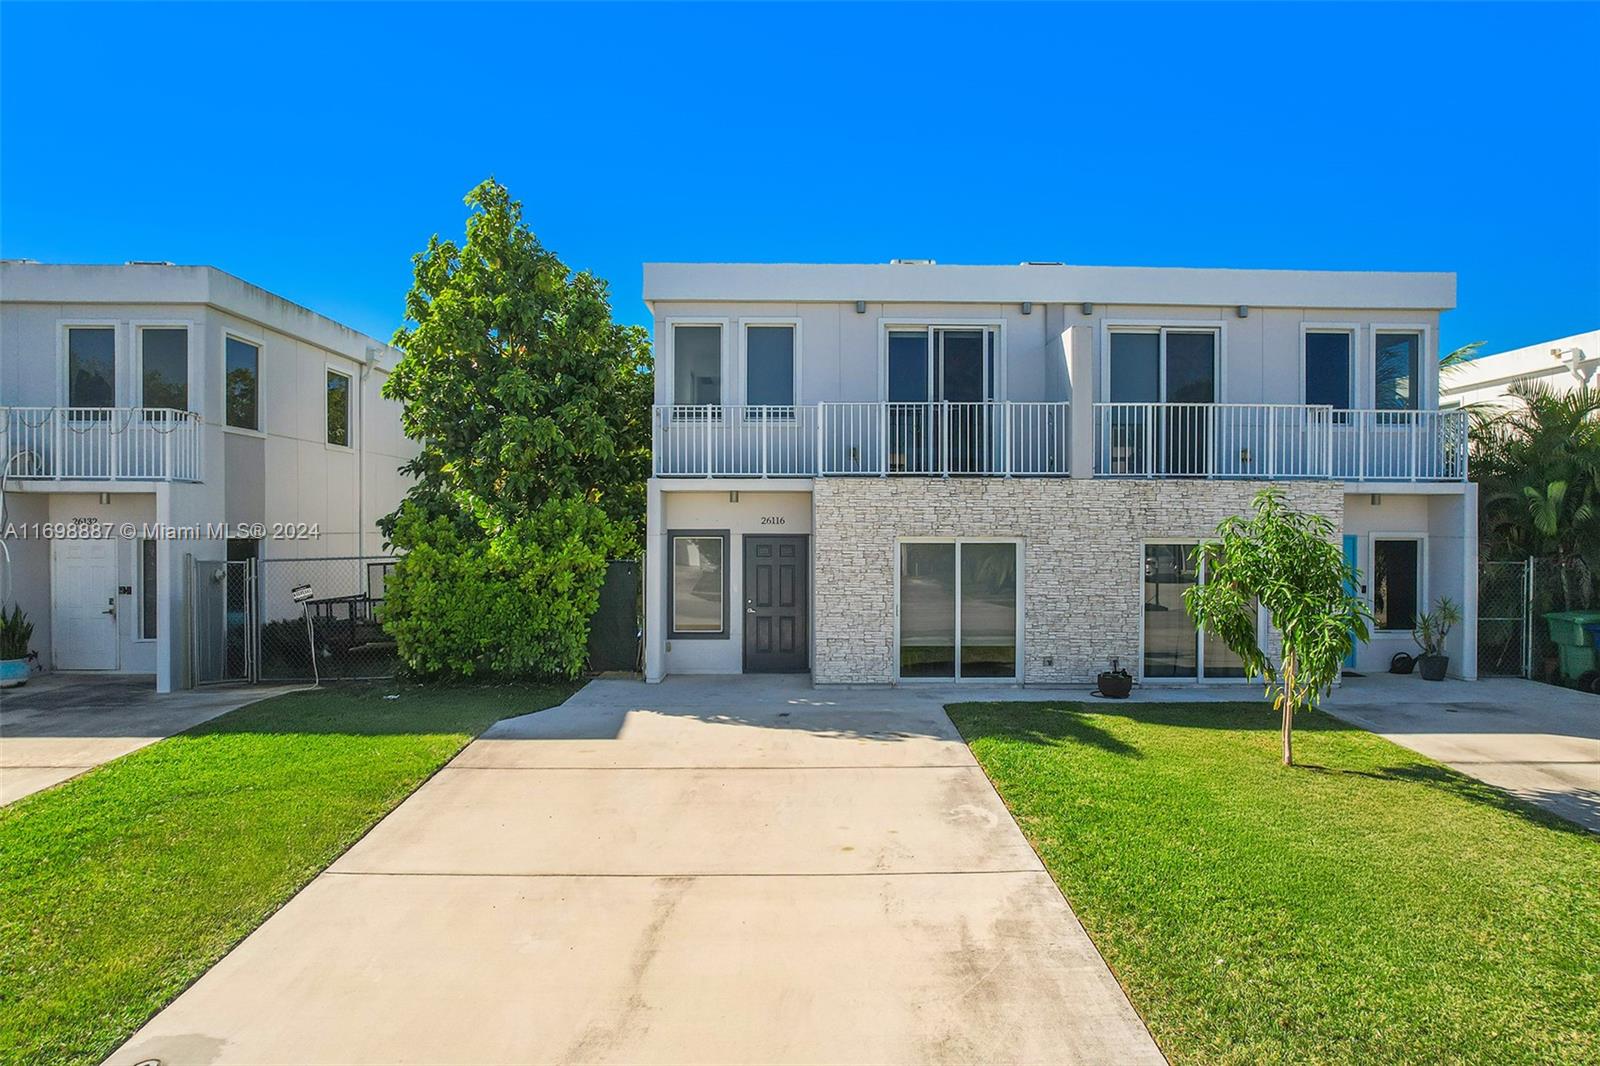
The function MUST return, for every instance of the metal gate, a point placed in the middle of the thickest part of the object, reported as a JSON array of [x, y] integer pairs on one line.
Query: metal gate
[[222, 621], [1505, 641]]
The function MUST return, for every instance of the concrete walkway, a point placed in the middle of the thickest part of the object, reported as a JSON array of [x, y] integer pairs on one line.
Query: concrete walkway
[[737, 870], [1538, 742], [59, 725]]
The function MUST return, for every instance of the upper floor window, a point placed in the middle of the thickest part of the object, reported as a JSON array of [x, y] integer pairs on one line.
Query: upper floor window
[[697, 364], [1163, 366], [1395, 371], [338, 408], [164, 367], [91, 366], [1328, 368], [242, 383], [769, 365]]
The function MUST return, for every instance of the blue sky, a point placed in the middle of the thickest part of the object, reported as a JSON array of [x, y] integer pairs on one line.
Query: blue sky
[[313, 149]]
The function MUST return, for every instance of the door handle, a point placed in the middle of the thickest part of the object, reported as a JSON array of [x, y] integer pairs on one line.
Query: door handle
[[112, 609]]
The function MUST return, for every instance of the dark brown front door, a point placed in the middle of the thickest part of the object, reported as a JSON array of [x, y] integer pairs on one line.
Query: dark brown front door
[[776, 622]]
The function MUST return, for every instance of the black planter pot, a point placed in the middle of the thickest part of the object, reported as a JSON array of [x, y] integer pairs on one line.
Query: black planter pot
[[1432, 667], [1116, 686]]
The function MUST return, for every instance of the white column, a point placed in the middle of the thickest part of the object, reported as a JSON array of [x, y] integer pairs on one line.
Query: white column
[[1077, 343], [655, 584]]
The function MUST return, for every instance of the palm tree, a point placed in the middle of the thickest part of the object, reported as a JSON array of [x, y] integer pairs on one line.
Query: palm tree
[[1536, 459]]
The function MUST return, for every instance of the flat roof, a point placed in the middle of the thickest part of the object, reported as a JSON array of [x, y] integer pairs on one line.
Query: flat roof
[[1045, 283], [27, 281]]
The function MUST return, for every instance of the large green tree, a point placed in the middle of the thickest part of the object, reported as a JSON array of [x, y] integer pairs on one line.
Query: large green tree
[[516, 381], [1290, 563]]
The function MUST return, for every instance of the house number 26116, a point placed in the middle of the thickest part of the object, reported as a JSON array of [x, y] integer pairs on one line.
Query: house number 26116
[[772, 519]]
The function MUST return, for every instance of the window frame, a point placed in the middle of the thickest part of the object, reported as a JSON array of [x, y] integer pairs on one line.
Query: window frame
[[1162, 327], [141, 586], [1353, 373], [673, 633], [139, 326], [670, 379], [900, 324], [64, 357], [1427, 382], [349, 409], [1263, 624], [743, 326], [1370, 577], [261, 349], [1019, 544]]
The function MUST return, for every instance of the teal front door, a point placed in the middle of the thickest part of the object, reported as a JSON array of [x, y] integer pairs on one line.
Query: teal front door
[[1351, 549]]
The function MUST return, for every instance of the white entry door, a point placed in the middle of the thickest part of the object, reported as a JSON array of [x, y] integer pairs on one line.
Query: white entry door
[[83, 597]]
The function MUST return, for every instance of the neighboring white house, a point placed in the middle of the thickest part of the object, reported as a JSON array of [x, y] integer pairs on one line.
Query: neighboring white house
[[145, 407], [899, 472], [1562, 364]]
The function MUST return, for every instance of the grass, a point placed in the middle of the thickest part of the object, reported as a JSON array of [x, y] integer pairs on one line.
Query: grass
[[1368, 906], [124, 885]]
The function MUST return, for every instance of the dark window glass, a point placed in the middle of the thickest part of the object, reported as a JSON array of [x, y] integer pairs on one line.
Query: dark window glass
[[699, 585], [1396, 373], [697, 364], [147, 589], [908, 367], [769, 365], [927, 610], [92, 367], [1171, 642], [338, 408], [1191, 367], [243, 364], [164, 363], [1394, 583], [1328, 369], [1135, 367], [988, 610]]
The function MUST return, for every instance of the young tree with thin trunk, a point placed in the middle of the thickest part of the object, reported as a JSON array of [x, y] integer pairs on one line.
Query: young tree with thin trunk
[[1288, 562]]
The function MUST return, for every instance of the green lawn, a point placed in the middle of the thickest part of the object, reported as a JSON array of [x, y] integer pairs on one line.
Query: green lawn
[[122, 886], [1368, 906]]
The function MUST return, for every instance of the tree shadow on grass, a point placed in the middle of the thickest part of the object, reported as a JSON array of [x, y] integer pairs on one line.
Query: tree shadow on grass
[[1067, 724], [1461, 786]]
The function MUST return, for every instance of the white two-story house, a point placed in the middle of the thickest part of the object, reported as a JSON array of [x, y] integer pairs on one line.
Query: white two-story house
[[152, 414], [911, 472]]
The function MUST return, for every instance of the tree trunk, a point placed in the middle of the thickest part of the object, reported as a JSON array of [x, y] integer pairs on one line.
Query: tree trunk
[[1288, 710]]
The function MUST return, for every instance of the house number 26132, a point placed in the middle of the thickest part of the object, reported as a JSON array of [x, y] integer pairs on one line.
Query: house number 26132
[[772, 519]]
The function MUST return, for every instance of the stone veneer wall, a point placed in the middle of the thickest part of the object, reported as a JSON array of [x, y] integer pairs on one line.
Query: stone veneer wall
[[1083, 563]]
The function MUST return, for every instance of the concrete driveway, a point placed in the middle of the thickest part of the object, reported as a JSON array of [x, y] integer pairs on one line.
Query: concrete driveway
[[59, 725], [1538, 742], [738, 870]]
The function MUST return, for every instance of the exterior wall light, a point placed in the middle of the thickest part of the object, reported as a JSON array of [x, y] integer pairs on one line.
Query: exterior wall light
[[861, 307], [1027, 308], [1088, 309], [1243, 311]]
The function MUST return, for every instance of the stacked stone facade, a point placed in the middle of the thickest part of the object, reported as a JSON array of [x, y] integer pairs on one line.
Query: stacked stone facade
[[1082, 552]]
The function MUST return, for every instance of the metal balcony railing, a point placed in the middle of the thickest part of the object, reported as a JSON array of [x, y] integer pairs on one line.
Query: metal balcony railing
[[998, 438], [100, 443]]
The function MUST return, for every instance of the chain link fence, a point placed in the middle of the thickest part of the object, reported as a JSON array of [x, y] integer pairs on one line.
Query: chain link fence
[[1513, 633], [1556, 585], [221, 599], [1503, 645], [338, 623]]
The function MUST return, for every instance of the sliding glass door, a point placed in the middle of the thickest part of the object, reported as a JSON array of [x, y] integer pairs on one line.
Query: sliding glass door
[[958, 609], [1174, 367], [956, 365], [1173, 647]]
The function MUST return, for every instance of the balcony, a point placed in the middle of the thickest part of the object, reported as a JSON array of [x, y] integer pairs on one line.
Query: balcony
[[862, 439], [1032, 439], [1273, 442], [100, 443]]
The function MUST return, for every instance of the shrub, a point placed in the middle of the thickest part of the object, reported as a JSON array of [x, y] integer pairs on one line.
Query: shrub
[[15, 633], [510, 599]]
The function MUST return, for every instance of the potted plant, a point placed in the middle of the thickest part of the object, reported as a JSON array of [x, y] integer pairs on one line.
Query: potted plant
[[15, 632], [1430, 631], [1115, 683]]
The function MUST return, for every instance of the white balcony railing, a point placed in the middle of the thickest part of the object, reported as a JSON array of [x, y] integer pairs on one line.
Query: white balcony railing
[[100, 443], [870, 439], [1032, 439], [1278, 442]]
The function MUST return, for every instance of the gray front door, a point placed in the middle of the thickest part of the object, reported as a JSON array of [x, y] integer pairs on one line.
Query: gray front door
[[776, 622]]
